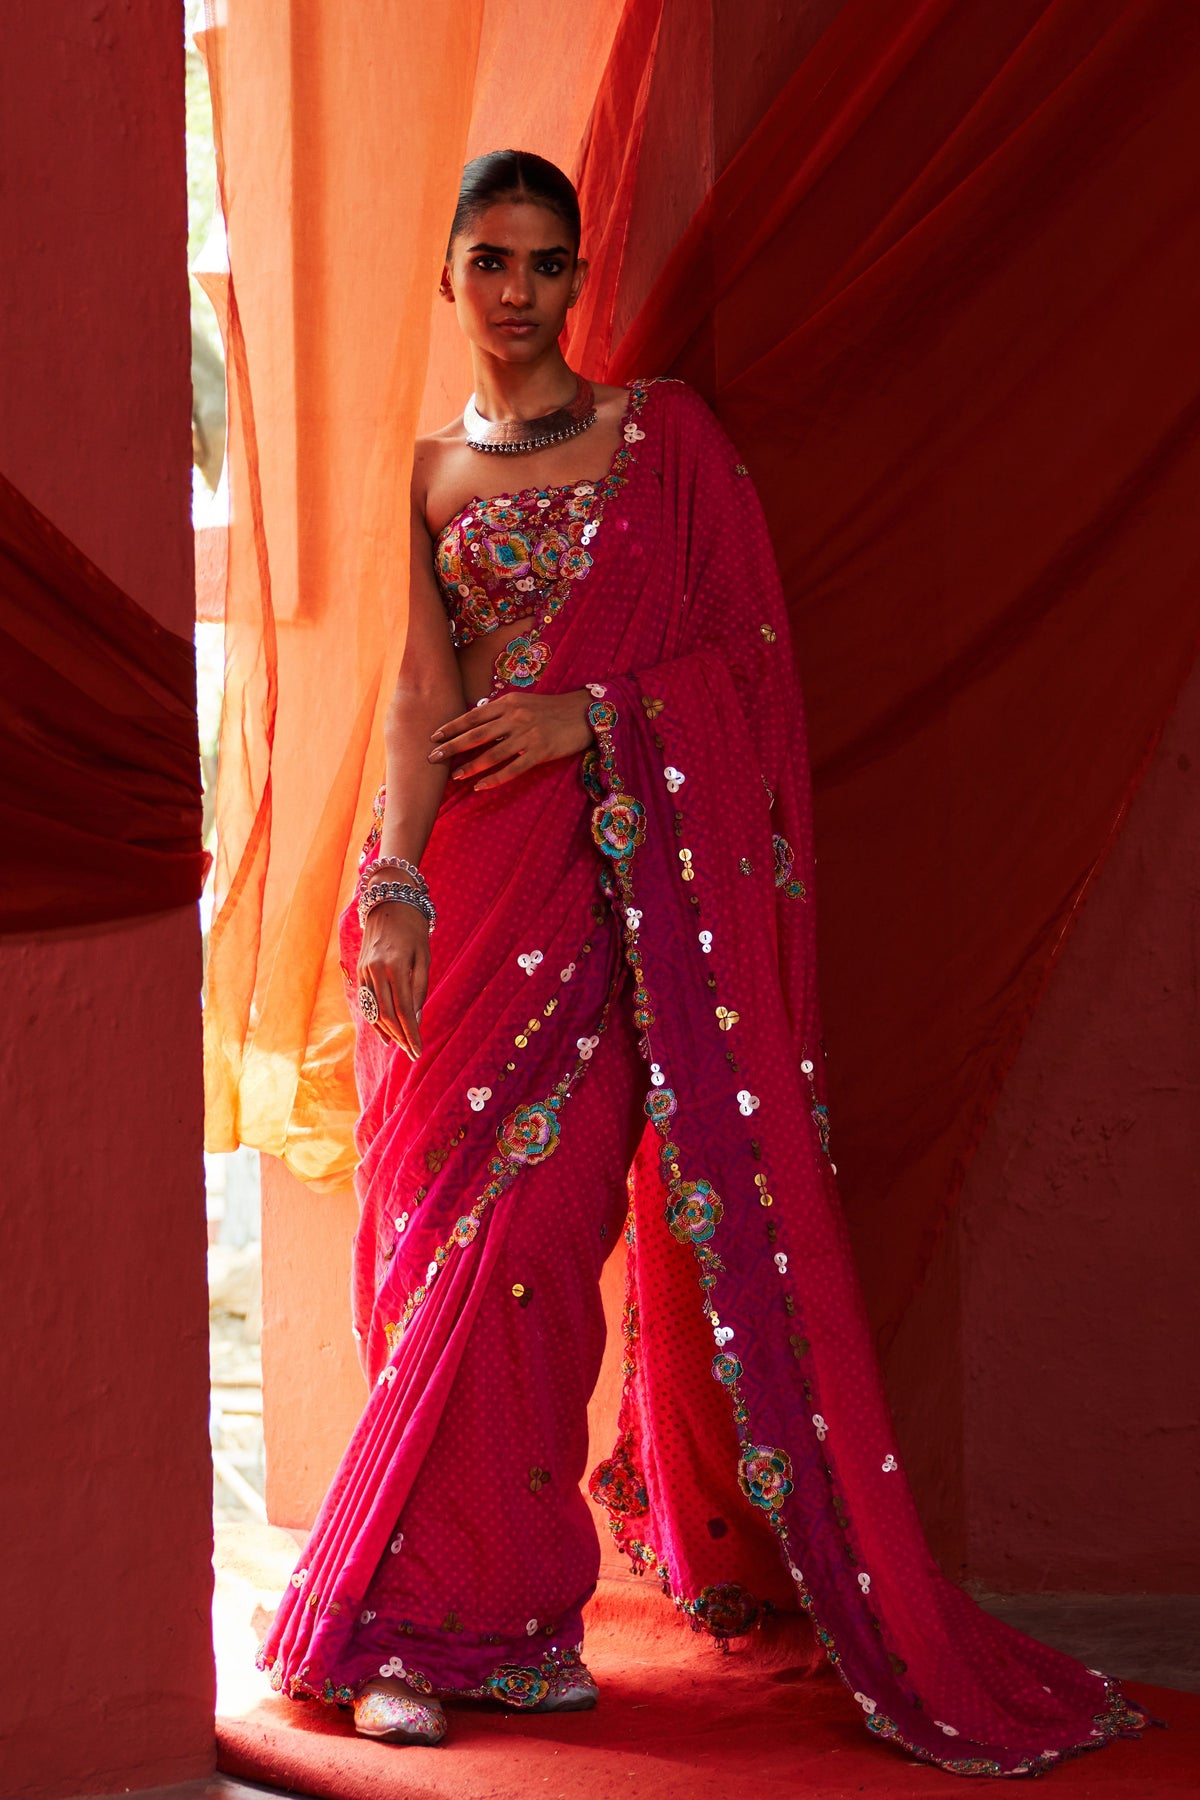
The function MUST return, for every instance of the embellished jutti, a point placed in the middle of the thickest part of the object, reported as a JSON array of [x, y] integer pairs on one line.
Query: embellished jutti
[[622, 1035]]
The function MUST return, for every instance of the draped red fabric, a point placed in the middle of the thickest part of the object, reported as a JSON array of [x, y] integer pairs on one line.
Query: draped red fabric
[[99, 764], [943, 295]]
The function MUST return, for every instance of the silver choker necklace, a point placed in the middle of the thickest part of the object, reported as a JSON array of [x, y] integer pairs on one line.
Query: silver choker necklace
[[514, 437]]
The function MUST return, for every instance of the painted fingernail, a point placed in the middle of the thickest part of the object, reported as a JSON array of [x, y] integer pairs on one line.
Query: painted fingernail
[[436, 755]]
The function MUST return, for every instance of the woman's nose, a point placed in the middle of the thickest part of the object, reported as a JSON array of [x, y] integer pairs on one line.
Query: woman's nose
[[518, 289]]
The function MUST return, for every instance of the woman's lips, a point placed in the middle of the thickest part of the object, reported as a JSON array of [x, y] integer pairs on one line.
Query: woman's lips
[[517, 327]]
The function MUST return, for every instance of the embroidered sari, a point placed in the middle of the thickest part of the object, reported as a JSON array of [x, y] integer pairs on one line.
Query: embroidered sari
[[623, 1031]]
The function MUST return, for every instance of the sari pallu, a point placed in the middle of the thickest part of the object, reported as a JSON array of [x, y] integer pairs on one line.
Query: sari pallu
[[755, 1462]]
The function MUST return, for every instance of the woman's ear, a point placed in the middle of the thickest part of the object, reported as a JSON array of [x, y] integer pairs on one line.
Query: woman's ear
[[578, 279], [445, 289]]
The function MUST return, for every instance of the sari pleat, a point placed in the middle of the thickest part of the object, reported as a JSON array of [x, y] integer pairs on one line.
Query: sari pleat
[[652, 910]]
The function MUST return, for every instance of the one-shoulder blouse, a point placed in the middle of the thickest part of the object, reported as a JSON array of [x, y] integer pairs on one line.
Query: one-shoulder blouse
[[502, 558], [498, 559]]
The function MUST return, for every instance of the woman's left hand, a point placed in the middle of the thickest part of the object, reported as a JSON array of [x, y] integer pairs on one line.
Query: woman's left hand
[[513, 733]]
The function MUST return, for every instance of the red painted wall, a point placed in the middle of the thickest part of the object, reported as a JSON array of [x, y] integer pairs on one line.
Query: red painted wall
[[1045, 1381], [1080, 1229], [106, 1677]]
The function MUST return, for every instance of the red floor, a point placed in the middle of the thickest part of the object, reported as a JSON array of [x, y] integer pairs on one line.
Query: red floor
[[676, 1721]]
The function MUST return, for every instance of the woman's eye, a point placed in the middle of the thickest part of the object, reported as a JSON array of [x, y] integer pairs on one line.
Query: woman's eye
[[487, 262], [551, 268]]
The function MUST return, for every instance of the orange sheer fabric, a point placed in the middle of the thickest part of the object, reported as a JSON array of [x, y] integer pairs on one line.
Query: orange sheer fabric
[[341, 134]]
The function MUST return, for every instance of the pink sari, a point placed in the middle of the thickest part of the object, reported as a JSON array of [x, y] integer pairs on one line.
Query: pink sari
[[624, 974]]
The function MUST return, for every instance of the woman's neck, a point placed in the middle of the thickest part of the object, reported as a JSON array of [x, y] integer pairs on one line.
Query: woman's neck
[[506, 391]]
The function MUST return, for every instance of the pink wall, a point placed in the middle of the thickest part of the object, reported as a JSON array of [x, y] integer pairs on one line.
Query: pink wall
[[106, 1511]]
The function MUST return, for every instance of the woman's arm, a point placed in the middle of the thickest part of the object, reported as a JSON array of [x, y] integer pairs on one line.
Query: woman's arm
[[394, 960]]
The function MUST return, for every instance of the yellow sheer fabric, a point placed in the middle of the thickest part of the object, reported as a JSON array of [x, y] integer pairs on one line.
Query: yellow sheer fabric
[[341, 133]]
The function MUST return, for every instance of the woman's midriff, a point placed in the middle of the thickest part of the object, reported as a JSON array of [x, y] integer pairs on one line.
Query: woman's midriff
[[476, 659]]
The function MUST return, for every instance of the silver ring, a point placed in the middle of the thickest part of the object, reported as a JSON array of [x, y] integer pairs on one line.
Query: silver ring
[[368, 1004]]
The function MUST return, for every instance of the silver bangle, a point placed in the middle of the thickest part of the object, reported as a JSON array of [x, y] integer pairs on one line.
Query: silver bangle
[[392, 862], [383, 891]]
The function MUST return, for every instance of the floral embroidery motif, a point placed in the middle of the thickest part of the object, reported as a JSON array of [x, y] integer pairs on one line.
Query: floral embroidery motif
[[464, 1231], [726, 1609], [517, 1686], [694, 1212], [529, 1133], [521, 662], [659, 1103], [726, 1369], [619, 824], [765, 1476], [619, 1486], [785, 859]]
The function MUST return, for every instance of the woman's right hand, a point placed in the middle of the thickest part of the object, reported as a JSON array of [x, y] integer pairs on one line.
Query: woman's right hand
[[394, 964]]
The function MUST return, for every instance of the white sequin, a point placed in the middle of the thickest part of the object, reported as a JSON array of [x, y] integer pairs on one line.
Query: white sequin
[[747, 1102], [478, 1097], [529, 961]]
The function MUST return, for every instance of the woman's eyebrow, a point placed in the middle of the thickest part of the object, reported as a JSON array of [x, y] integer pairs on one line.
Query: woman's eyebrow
[[507, 250]]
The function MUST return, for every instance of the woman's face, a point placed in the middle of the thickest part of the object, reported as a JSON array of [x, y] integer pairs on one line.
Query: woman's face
[[512, 274]]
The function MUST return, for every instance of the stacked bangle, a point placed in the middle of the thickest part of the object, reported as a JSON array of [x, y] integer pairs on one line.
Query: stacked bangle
[[380, 892], [392, 862]]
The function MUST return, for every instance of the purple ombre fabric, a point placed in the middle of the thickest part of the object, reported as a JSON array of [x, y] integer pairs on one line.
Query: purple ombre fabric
[[624, 972]]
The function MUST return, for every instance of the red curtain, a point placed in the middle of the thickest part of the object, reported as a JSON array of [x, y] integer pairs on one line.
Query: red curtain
[[99, 765], [943, 292]]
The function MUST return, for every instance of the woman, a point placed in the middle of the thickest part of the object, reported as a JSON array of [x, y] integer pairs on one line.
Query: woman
[[605, 784]]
